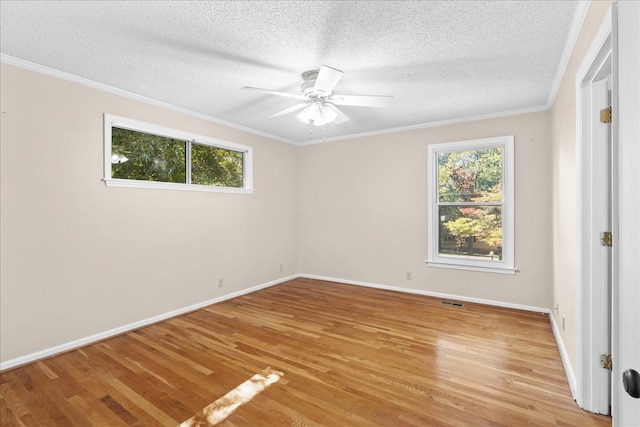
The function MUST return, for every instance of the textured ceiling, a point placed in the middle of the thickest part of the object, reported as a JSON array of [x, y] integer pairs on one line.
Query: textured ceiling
[[441, 60]]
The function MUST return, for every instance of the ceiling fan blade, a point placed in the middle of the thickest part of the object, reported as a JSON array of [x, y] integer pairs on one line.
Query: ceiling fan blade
[[362, 100], [340, 116], [327, 79], [289, 110], [275, 92]]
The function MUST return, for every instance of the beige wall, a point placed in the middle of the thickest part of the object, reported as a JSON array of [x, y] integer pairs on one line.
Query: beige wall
[[563, 131], [363, 211], [78, 258]]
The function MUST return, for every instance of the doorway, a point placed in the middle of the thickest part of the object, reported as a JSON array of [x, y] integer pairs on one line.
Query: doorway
[[615, 51], [595, 220]]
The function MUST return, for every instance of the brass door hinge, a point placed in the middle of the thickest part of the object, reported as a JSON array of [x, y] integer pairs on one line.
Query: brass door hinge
[[606, 239], [606, 361], [605, 115]]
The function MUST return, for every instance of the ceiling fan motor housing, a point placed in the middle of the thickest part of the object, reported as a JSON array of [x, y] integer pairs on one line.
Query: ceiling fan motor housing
[[308, 87]]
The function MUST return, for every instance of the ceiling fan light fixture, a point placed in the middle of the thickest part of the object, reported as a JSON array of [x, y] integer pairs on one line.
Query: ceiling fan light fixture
[[310, 112], [327, 117], [316, 113]]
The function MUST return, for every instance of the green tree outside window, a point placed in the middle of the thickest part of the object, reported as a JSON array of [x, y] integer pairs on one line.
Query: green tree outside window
[[147, 157]]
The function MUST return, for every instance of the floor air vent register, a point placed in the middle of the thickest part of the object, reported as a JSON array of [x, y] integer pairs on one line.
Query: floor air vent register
[[453, 304]]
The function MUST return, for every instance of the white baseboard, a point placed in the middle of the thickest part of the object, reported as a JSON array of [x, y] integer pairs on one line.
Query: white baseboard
[[430, 294], [571, 377], [29, 358], [48, 352]]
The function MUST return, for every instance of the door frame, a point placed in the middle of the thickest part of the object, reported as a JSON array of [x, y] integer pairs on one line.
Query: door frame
[[626, 269], [594, 323]]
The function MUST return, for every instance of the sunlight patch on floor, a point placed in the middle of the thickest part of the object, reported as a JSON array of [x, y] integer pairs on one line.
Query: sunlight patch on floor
[[219, 410]]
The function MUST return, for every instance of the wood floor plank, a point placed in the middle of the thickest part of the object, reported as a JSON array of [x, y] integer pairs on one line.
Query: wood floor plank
[[97, 415], [140, 400], [351, 356]]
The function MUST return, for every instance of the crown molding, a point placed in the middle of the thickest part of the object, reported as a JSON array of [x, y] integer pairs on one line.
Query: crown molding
[[535, 109], [10, 60], [17, 62], [574, 31]]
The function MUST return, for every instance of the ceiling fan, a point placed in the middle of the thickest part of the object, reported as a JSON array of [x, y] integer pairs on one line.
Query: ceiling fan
[[319, 106]]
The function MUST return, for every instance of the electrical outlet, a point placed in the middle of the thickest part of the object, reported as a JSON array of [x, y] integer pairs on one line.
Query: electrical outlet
[[220, 282], [409, 275], [563, 323], [281, 267], [557, 309]]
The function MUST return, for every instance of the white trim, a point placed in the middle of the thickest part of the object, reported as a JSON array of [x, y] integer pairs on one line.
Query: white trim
[[132, 183], [574, 31], [17, 62], [111, 120], [506, 143], [500, 114], [590, 324], [429, 293], [52, 351], [138, 125], [571, 378], [596, 45], [472, 268], [626, 204]]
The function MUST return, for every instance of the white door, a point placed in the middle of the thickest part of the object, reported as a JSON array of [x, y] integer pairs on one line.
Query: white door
[[601, 255], [595, 182], [626, 221]]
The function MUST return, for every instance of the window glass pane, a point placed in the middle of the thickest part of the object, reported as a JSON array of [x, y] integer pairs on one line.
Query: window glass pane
[[471, 232], [147, 157], [470, 176], [216, 166]]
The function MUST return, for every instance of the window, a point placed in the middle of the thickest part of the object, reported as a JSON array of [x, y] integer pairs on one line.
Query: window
[[139, 154], [471, 205]]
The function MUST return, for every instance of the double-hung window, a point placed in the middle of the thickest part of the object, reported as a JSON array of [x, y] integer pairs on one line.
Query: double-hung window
[[139, 154], [471, 202]]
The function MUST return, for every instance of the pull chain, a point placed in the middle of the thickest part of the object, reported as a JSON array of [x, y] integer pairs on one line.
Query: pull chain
[[324, 131]]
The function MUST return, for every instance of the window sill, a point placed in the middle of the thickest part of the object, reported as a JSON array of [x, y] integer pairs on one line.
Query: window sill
[[499, 270], [174, 186]]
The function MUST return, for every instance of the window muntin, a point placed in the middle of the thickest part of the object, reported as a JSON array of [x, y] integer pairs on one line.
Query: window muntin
[[139, 154], [471, 204]]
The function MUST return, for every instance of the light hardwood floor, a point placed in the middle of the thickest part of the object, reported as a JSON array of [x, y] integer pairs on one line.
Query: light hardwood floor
[[351, 356]]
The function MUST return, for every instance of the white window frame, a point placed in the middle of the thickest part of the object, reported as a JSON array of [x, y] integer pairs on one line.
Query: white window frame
[[504, 266], [111, 121]]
